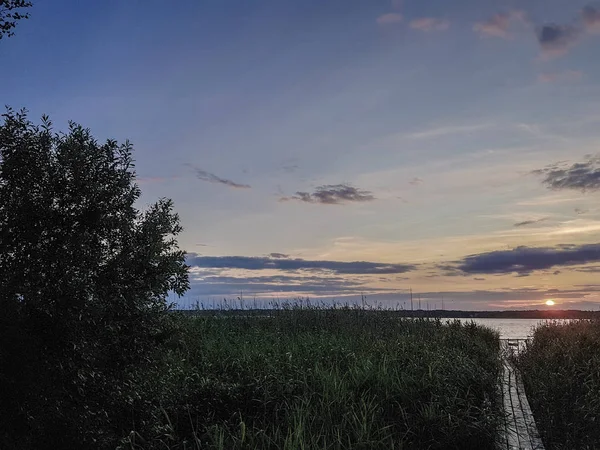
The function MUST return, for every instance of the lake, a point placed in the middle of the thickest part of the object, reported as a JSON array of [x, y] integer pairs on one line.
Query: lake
[[510, 328]]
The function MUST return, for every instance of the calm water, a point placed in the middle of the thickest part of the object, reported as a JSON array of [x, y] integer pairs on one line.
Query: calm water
[[510, 328]]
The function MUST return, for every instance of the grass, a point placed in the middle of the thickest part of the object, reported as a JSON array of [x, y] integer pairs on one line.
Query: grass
[[327, 379], [561, 372]]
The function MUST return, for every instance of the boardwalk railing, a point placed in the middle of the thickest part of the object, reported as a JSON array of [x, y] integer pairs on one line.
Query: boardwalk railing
[[520, 429]]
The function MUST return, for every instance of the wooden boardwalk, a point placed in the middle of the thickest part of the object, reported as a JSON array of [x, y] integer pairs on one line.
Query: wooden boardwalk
[[520, 429]]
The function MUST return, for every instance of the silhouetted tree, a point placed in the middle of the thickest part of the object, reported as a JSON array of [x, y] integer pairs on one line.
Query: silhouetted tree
[[10, 13], [84, 279]]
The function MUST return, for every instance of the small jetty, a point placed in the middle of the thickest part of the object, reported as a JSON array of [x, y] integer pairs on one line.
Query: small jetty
[[520, 431]]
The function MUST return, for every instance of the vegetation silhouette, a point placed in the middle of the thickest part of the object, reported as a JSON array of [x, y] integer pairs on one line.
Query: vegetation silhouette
[[84, 278], [10, 14]]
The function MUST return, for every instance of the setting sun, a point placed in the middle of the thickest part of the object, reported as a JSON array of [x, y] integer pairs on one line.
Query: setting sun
[[550, 302]]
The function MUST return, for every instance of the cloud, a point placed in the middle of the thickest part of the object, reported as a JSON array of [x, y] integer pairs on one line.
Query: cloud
[[265, 263], [389, 19], [333, 194], [583, 176], [290, 168], [499, 24], [226, 285], [278, 284], [429, 24], [560, 77], [212, 178], [448, 130], [557, 40], [530, 222], [415, 181], [524, 260], [589, 269], [591, 19], [278, 255]]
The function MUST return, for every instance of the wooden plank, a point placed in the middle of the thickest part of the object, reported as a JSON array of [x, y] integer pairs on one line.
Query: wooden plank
[[520, 429], [534, 436], [511, 435]]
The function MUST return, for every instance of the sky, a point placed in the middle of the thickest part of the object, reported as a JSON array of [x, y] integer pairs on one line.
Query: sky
[[333, 149]]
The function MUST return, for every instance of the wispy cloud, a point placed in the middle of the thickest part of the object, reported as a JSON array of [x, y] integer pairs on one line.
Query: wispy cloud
[[212, 178], [333, 194], [499, 25], [415, 181], [560, 77], [285, 264], [524, 260], [290, 168], [448, 130], [588, 269], [530, 222], [556, 40], [280, 284], [582, 176], [429, 24], [590, 16], [548, 200], [390, 19]]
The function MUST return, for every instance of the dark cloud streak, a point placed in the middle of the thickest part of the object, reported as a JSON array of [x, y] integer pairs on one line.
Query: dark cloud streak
[[278, 255], [333, 194], [583, 176], [556, 40], [590, 16], [525, 260], [264, 263], [530, 222], [212, 178]]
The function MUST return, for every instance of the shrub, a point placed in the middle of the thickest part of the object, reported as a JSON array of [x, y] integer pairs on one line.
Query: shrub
[[84, 277]]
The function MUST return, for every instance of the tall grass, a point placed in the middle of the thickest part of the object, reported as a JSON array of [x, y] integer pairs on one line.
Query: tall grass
[[561, 372], [328, 379]]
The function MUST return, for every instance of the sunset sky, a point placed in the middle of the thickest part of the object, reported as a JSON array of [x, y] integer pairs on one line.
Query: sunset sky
[[328, 148]]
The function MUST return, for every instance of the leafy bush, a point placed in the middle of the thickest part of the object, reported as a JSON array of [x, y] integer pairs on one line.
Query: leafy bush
[[84, 277]]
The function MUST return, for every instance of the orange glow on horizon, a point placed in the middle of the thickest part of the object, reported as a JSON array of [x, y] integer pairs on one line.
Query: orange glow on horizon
[[550, 303]]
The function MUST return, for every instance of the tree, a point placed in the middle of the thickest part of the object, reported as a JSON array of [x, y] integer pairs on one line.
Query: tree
[[10, 14], [84, 279]]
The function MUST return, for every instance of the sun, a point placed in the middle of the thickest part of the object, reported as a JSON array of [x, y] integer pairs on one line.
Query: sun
[[550, 302]]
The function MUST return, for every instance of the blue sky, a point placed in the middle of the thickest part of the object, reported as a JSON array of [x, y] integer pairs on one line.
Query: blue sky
[[298, 137]]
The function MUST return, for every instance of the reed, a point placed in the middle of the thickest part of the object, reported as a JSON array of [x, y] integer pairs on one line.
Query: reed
[[321, 378], [561, 372]]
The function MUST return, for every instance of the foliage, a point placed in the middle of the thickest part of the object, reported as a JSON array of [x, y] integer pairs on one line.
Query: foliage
[[561, 371], [329, 379], [84, 278], [10, 14], [90, 356]]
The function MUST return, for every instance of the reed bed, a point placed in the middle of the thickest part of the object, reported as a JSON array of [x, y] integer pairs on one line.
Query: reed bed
[[329, 379], [561, 372]]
